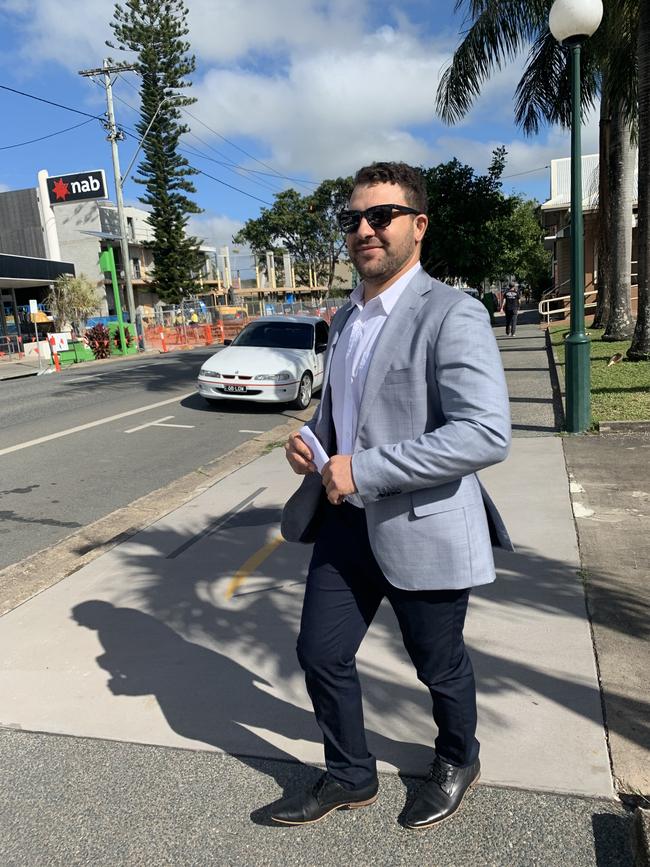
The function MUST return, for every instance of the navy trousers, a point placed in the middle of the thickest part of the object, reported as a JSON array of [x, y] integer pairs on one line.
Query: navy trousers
[[511, 321], [344, 589]]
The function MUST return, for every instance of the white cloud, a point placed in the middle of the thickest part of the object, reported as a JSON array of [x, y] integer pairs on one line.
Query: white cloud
[[4, 188], [72, 38], [220, 30], [228, 30], [214, 229], [334, 109]]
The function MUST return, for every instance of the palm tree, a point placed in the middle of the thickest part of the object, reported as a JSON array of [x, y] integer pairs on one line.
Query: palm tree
[[497, 34], [618, 222], [640, 348]]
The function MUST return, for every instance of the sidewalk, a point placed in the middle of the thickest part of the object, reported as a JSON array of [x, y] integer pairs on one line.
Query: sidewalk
[[29, 367], [183, 637]]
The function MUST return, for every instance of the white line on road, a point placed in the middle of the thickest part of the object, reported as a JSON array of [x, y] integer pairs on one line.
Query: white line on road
[[91, 424], [252, 431], [158, 423], [148, 424]]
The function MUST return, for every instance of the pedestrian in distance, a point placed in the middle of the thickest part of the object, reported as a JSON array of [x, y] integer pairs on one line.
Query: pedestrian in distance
[[510, 307], [414, 403]]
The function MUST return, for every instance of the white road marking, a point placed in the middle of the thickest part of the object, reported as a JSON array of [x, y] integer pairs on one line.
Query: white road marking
[[91, 424], [148, 424], [158, 423], [252, 431]]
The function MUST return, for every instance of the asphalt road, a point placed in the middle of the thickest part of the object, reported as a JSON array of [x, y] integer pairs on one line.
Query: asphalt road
[[110, 434]]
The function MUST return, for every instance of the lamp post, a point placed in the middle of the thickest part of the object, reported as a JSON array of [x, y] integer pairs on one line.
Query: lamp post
[[571, 22]]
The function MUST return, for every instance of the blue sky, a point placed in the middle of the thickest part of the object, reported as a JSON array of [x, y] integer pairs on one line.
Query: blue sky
[[303, 89]]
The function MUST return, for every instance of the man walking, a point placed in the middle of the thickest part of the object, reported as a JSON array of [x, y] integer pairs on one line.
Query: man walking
[[510, 307], [414, 402]]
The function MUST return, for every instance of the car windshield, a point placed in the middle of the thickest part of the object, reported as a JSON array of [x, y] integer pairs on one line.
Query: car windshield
[[277, 335]]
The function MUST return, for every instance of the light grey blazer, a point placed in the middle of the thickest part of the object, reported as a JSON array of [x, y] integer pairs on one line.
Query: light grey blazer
[[434, 411]]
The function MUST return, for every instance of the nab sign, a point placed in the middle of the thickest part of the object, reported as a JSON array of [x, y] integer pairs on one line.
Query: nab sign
[[75, 188]]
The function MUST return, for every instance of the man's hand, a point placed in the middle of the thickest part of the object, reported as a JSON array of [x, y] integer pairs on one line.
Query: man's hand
[[337, 478], [299, 455]]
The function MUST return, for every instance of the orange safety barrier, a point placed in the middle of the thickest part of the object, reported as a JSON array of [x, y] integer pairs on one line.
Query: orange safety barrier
[[55, 355]]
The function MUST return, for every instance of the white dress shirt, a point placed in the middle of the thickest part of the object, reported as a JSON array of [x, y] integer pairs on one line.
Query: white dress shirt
[[351, 360]]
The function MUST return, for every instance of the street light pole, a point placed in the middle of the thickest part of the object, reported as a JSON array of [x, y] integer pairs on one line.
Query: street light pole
[[571, 22], [577, 346]]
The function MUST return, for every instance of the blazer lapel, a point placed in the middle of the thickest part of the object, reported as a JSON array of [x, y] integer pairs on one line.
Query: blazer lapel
[[396, 330], [325, 407]]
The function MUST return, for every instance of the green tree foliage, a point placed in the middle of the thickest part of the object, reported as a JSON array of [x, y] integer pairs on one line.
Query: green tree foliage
[[155, 31], [496, 33], [522, 246], [303, 226], [71, 300], [469, 221]]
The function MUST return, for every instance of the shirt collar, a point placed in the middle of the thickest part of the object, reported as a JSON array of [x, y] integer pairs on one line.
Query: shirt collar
[[388, 298]]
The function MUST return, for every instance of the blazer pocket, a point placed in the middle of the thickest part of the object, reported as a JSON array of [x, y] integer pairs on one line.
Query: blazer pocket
[[404, 374], [443, 498], [436, 507]]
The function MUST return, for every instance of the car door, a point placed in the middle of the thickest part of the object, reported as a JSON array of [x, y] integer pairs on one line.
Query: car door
[[322, 333]]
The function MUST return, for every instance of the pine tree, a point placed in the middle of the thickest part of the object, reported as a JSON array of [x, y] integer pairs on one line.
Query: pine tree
[[155, 31]]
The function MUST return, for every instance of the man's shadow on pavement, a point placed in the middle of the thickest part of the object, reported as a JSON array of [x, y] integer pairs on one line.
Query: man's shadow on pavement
[[207, 697]]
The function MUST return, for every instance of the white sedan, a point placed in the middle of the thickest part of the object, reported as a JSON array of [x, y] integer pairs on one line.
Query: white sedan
[[277, 359]]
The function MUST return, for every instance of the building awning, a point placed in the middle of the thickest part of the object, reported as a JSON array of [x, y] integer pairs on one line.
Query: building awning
[[18, 272]]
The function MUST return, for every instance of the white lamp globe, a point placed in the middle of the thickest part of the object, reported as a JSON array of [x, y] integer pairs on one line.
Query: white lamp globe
[[575, 18]]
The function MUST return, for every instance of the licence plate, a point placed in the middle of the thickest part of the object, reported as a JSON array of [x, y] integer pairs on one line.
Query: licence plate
[[235, 389]]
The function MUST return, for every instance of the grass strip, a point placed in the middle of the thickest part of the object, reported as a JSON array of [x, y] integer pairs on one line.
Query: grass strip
[[620, 392]]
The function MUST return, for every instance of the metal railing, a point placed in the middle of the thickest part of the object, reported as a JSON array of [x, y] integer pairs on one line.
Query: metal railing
[[560, 305], [9, 348]]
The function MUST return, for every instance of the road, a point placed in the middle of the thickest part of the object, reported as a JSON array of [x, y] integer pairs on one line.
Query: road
[[77, 445]]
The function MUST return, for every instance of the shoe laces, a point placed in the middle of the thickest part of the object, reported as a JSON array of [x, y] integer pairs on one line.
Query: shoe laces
[[440, 773]]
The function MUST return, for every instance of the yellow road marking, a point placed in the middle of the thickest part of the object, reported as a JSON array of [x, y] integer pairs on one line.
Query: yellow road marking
[[252, 564]]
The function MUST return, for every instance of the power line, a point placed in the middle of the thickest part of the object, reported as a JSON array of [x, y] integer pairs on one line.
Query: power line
[[250, 196], [49, 102], [199, 171], [233, 167], [272, 173], [43, 137], [529, 172]]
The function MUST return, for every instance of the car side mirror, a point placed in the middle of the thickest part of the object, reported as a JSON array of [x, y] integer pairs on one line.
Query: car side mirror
[[321, 347], [227, 342]]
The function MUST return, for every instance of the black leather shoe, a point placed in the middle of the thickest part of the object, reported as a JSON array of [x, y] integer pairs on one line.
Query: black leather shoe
[[327, 795], [442, 794]]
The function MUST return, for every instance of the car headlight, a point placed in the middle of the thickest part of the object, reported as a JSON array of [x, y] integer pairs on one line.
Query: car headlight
[[274, 377], [211, 373]]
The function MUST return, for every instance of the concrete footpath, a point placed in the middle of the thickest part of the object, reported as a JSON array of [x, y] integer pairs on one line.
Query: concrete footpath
[[153, 706]]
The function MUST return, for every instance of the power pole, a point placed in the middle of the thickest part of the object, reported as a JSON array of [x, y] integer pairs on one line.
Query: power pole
[[115, 135]]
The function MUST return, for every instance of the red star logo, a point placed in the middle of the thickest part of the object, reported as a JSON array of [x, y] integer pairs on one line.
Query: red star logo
[[60, 190]]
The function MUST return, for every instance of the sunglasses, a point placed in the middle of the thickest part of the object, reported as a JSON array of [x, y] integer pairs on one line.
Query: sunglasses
[[377, 217]]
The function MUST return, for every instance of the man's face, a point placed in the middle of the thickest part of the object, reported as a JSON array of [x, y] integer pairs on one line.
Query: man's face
[[379, 254]]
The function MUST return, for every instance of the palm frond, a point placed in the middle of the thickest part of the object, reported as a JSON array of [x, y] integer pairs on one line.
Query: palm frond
[[615, 41], [499, 31], [543, 94]]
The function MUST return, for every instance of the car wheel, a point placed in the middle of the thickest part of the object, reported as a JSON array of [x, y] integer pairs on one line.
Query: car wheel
[[304, 392]]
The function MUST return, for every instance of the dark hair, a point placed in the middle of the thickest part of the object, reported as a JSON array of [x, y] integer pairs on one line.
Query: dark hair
[[410, 179]]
